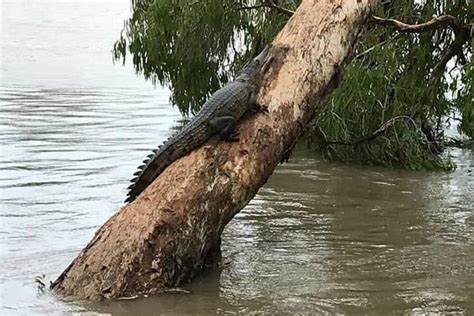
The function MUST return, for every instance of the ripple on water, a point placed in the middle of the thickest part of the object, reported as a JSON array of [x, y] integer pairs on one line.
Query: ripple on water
[[317, 238]]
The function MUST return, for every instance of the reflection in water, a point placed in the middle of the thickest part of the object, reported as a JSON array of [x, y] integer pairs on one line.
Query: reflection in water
[[318, 237]]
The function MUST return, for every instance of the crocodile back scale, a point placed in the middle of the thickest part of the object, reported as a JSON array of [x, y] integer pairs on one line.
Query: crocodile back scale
[[219, 115]]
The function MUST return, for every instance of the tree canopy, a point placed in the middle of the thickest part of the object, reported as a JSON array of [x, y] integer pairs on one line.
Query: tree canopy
[[397, 93]]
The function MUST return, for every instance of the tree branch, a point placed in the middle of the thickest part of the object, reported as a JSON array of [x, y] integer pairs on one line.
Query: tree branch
[[459, 143], [418, 28], [370, 49], [454, 50], [375, 134], [269, 4], [462, 34]]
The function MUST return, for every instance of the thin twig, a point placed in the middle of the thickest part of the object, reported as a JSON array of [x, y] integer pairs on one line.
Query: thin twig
[[280, 8], [269, 4], [362, 54]]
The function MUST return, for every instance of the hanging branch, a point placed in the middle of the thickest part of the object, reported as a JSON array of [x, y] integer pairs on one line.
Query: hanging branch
[[456, 49], [462, 35]]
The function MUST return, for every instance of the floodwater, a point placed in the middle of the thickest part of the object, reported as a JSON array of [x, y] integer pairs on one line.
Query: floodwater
[[318, 238]]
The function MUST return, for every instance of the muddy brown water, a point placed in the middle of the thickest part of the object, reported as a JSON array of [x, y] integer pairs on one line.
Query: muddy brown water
[[318, 238]]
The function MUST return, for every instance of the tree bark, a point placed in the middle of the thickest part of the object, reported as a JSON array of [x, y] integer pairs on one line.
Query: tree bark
[[172, 230]]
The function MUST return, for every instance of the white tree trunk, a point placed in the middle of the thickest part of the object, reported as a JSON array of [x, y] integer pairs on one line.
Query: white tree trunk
[[169, 233]]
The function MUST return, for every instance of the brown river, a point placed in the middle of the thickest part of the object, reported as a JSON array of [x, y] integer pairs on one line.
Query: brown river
[[319, 238]]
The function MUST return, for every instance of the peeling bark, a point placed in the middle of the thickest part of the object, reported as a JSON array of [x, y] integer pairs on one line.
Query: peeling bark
[[169, 233]]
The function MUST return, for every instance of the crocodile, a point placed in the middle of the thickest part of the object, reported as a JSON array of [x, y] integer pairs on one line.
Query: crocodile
[[218, 116]]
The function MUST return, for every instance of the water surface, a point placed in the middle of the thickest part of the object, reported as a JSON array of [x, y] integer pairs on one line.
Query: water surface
[[318, 238]]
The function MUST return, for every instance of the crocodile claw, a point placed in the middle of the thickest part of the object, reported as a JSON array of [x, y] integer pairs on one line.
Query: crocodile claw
[[234, 137], [258, 108]]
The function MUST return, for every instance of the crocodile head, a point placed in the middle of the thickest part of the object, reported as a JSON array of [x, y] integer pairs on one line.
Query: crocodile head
[[252, 70]]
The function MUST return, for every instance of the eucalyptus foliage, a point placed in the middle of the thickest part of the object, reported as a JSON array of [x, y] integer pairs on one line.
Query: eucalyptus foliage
[[393, 85], [390, 108], [194, 46]]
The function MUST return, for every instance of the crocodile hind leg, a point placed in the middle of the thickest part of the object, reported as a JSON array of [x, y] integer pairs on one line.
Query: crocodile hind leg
[[226, 127]]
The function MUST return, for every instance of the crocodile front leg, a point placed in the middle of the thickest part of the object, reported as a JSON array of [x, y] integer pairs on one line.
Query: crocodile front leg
[[226, 127], [259, 108], [255, 107]]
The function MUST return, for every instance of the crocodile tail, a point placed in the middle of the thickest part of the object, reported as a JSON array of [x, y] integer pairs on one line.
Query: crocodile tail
[[147, 173], [175, 147]]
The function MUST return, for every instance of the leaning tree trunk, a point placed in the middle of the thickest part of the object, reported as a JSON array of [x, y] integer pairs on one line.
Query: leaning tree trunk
[[172, 230]]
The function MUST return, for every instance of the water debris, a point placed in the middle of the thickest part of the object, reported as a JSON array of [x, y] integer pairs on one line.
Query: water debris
[[40, 282], [177, 290]]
